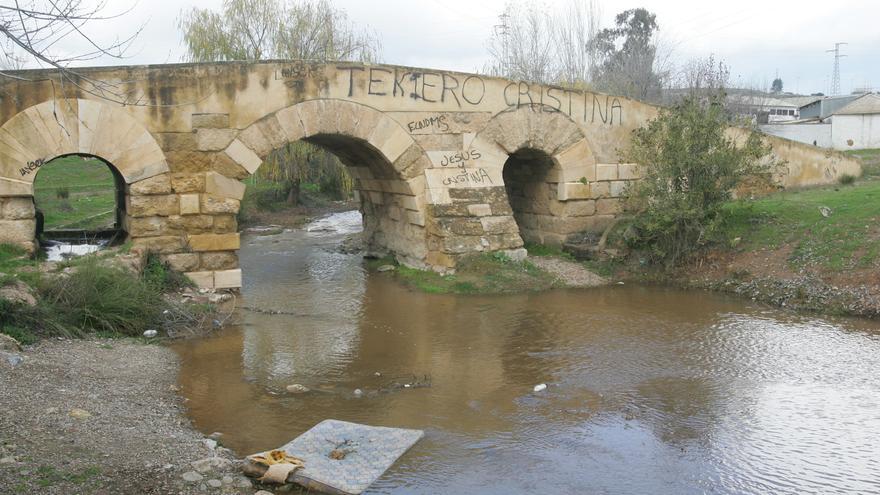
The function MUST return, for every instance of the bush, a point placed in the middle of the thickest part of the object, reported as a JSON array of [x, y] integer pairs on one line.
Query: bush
[[62, 192], [691, 168], [161, 277]]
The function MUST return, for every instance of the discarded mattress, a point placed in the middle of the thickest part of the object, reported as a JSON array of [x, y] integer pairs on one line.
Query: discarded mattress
[[346, 458]]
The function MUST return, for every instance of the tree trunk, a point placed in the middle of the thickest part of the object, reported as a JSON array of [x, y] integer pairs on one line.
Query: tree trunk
[[293, 193]]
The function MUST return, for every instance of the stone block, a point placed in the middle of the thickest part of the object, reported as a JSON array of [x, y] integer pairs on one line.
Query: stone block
[[227, 279], [221, 260], [609, 206], [600, 190], [499, 225], [393, 213], [224, 187], [415, 218], [629, 171], [18, 231], [188, 182], [192, 224], [159, 244], [376, 198], [214, 242], [409, 202], [479, 210], [181, 262], [214, 204], [214, 139], [210, 120], [606, 171], [189, 204], [148, 226], [159, 184], [225, 224], [617, 188], [149, 206], [573, 190], [204, 280], [244, 156], [17, 208], [581, 208]]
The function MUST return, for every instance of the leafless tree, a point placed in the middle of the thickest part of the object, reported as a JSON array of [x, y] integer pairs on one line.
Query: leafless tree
[[575, 28], [37, 31], [522, 46]]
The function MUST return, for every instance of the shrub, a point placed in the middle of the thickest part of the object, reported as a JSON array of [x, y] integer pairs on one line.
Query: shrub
[[691, 168], [62, 192], [847, 179], [158, 275]]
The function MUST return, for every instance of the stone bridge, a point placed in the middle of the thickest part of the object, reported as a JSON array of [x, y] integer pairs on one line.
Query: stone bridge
[[445, 164]]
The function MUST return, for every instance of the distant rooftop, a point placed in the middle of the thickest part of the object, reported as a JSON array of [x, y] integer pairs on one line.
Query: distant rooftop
[[867, 104]]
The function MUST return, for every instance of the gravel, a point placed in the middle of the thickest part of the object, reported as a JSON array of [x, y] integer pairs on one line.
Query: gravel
[[101, 416], [570, 273]]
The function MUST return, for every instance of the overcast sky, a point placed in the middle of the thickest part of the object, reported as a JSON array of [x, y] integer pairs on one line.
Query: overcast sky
[[756, 38]]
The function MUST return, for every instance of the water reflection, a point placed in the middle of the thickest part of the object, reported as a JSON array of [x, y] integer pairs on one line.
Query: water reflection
[[651, 390]]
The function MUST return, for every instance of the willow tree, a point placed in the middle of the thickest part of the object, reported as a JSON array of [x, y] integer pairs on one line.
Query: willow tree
[[311, 30]]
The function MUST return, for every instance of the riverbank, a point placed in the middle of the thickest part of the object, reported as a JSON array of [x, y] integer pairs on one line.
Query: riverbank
[[103, 416], [815, 250]]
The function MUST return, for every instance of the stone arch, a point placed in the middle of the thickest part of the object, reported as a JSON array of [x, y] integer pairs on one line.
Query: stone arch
[[385, 161], [547, 166], [61, 127]]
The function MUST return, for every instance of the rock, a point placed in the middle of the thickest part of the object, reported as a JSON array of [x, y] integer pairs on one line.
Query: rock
[[243, 482], [227, 480], [219, 298], [296, 388], [215, 483], [18, 293], [9, 344], [210, 464], [825, 211], [12, 358], [79, 414], [150, 334], [192, 477], [358, 392], [263, 492], [210, 443], [385, 268], [7, 460], [216, 436], [540, 387]]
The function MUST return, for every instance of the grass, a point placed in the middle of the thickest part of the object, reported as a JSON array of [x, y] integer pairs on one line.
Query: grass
[[76, 193], [493, 273], [870, 159], [848, 238]]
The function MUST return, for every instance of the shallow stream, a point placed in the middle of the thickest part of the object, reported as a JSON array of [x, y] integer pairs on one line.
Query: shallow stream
[[650, 390]]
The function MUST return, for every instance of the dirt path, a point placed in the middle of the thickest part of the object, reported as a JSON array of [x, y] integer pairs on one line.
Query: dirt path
[[570, 273], [103, 416]]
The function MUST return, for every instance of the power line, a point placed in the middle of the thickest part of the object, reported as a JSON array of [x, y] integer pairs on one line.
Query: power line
[[835, 74]]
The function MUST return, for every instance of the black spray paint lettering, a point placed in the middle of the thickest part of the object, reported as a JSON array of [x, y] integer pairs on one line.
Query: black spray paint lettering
[[430, 87], [473, 176], [438, 122], [460, 157], [31, 166], [433, 87]]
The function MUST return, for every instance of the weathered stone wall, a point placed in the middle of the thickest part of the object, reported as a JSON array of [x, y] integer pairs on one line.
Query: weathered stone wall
[[428, 150]]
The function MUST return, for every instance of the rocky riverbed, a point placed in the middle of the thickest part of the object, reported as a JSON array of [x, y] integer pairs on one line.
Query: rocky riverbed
[[103, 416]]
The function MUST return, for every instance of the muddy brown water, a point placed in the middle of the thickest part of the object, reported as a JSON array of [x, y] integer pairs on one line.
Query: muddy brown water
[[650, 390]]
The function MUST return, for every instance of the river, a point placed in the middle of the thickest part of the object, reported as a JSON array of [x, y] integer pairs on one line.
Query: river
[[650, 390]]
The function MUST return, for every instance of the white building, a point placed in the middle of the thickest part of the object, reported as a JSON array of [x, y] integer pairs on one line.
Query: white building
[[853, 126], [857, 125]]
